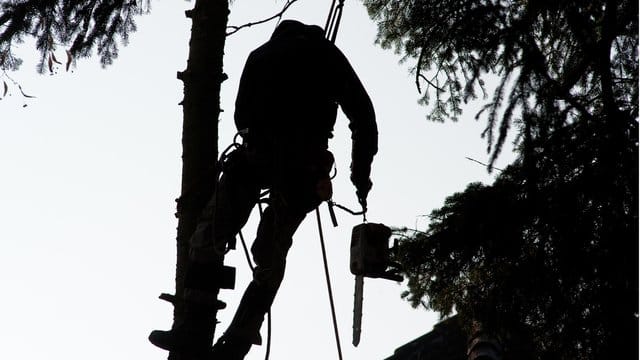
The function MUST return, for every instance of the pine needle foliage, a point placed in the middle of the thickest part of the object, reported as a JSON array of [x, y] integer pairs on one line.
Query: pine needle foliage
[[79, 27], [547, 256], [540, 50]]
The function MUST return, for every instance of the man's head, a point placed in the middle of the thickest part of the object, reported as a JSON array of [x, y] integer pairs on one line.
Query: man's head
[[294, 28]]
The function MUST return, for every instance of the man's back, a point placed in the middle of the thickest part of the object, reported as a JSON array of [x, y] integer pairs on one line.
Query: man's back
[[291, 87]]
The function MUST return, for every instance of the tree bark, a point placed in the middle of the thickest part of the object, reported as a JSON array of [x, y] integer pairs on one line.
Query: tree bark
[[201, 109]]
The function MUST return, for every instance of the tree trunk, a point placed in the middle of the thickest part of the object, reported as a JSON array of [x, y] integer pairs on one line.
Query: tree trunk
[[201, 109]]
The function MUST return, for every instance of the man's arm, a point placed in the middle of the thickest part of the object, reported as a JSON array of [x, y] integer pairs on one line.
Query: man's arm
[[242, 114], [357, 106]]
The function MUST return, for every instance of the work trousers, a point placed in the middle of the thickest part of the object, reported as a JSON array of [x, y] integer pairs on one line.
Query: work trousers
[[293, 193]]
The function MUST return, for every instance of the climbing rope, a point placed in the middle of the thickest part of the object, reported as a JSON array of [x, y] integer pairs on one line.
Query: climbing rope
[[333, 20], [330, 32], [328, 278]]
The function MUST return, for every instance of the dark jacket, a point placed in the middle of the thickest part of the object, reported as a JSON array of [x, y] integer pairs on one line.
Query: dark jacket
[[289, 93]]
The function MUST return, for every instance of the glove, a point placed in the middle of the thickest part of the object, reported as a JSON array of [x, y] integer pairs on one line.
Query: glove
[[362, 190], [360, 178]]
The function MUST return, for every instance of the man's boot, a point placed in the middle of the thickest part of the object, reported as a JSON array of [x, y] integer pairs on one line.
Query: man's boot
[[194, 333], [191, 335]]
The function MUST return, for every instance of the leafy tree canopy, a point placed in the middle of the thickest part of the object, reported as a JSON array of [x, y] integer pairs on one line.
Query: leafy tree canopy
[[547, 256], [78, 26]]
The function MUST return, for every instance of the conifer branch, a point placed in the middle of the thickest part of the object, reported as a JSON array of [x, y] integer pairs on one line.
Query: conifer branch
[[418, 70], [235, 29]]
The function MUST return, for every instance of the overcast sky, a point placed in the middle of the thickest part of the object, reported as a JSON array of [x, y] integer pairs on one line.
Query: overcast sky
[[91, 167]]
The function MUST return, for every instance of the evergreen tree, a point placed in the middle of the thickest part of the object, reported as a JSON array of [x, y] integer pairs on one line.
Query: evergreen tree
[[79, 26], [547, 256], [82, 27]]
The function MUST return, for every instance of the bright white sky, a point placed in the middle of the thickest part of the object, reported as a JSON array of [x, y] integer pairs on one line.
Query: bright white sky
[[91, 168]]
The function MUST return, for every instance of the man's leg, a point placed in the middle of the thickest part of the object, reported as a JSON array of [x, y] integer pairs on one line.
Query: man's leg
[[273, 241], [231, 206]]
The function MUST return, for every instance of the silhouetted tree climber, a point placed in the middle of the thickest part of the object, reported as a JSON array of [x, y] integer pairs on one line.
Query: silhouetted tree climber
[[285, 110]]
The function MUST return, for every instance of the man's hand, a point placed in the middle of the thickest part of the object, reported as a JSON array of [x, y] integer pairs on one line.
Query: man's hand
[[362, 190], [360, 171]]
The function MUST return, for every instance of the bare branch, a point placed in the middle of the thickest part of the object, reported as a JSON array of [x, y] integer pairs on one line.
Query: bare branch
[[429, 82], [490, 167], [235, 29]]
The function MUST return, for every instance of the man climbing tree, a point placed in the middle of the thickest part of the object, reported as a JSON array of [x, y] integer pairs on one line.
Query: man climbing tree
[[285, 111]]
